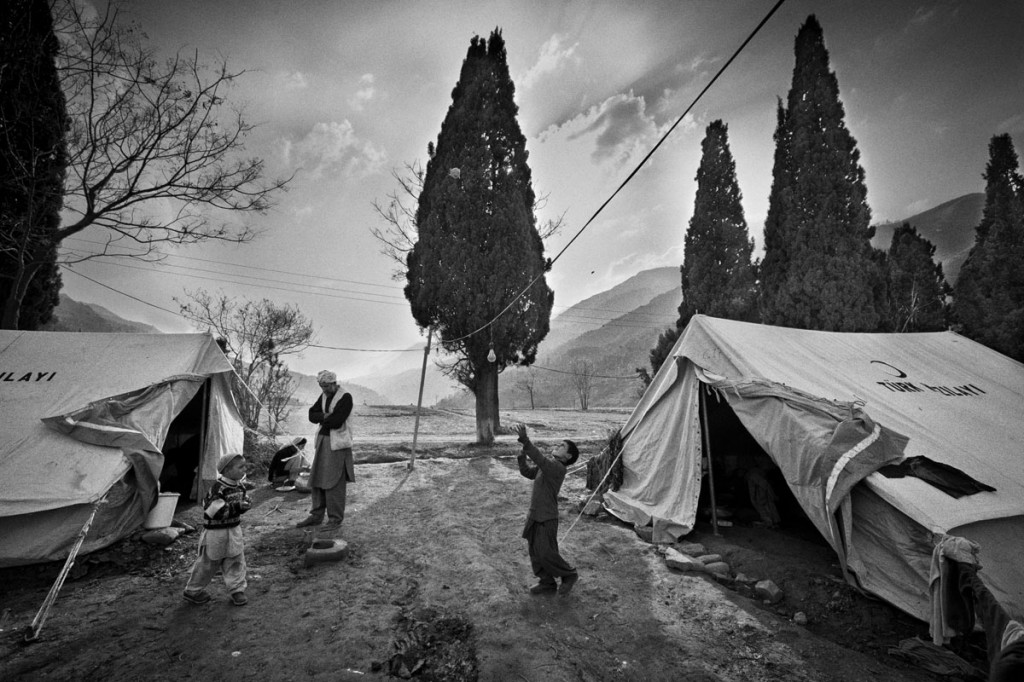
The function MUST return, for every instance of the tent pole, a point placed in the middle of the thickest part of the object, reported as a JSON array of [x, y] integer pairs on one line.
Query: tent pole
[[32, 634], [198, 478], [419, 399], [707, 449]]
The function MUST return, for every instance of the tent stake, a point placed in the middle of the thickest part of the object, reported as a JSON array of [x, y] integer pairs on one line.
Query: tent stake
[[37, 623], [419, 399], [707, 449]]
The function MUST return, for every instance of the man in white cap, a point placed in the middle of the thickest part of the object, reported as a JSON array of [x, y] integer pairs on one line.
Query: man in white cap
[[332, 458]]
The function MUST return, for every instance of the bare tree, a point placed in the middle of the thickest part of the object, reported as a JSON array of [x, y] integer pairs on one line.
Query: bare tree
[[254, 336], [583, 381], [528, 384], [155, 150]]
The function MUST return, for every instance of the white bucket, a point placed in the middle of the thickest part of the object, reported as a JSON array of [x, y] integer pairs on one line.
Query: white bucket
[[163, 513]]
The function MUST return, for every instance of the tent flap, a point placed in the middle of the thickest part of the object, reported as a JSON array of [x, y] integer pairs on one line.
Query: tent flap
[[830, 409], [85, 418]]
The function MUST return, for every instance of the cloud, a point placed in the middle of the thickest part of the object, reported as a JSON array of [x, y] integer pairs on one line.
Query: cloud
[[923, 16], [620, 126], [364, 94], [1013, 125], [333, 149], [553, 57], [296, 80]]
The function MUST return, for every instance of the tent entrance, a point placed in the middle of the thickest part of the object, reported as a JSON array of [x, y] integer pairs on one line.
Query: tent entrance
[[184, 445], [749, 488]]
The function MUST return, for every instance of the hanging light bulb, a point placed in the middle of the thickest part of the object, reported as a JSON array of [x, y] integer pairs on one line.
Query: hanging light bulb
[[491, 357]]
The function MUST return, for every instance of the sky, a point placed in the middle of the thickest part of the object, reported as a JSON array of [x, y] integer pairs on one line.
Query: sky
[[344, 94]]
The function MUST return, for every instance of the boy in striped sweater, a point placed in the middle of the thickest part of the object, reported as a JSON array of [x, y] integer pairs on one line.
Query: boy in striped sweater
[[221, 543]]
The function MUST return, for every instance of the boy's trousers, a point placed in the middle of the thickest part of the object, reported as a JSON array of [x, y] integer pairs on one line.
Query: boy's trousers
[[546, 561], [232, 568]]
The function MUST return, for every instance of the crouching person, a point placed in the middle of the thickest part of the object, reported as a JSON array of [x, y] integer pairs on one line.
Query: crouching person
[[541, 531], [221, 542]]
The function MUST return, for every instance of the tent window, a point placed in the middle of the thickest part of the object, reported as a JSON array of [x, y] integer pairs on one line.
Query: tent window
[[183, 447]]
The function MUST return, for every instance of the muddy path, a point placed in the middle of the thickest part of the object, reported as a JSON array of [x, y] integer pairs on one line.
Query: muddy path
[[434, 587]]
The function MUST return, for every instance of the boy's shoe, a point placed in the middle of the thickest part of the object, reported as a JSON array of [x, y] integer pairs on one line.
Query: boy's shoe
[[567, 583], [543, 588], [238, 598], [200, 597], [309, 521]]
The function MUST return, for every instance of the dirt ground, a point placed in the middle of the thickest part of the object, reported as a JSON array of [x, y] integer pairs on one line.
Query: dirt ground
[[435, 583]]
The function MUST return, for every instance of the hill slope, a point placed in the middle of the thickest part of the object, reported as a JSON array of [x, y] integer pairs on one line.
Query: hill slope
[[949, 226], [72, 316]]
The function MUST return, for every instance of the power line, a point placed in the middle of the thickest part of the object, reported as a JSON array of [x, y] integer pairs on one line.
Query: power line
[[264, 286], [636, 170], [592, 376], [118, 291], [571, 317], [178, 314], [128, 253]]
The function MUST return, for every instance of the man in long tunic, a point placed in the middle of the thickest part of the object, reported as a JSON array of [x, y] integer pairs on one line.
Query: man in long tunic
[[332, 468], [541, 530]]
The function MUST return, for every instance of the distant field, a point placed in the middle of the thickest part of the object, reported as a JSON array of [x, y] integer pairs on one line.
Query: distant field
[[392, 426]]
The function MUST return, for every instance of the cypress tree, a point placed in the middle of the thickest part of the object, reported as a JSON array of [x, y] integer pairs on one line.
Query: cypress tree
[[33, 161], [717, 275], [718, 278], [917, 287], [819, 271], [988, 300], [659, 354], [478, 246]]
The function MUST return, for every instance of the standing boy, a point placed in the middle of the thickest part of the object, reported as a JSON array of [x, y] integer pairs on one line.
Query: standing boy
[[541, 530], [221, 543]]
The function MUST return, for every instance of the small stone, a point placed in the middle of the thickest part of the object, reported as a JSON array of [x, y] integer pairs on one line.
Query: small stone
[[768, 591], [800, 618], [744, 578], [709, 558], [682, 562], [161, 536], [593, 508], [646, 533], [718, 568], [691, 548]]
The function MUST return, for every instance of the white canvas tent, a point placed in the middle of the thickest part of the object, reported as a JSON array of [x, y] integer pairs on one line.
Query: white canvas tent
[[84, 417], [830, 409]]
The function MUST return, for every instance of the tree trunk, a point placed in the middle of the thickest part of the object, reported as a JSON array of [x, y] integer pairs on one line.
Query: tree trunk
[[15, 295], [486, 403]]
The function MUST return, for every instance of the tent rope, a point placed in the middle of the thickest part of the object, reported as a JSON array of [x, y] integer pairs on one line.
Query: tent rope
[[592, 496]]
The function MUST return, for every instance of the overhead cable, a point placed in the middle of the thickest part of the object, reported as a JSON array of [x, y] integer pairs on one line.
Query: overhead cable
[[630, 176]]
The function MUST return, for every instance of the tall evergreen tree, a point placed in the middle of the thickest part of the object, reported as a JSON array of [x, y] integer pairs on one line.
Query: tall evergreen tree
[[917, 287], [819, 271], [988, 300], [478, 247], [33, 162], [717, 274], [775, 264], [718, 277]]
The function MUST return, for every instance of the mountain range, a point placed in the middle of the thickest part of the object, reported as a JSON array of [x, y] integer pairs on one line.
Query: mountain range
[[613, 331]]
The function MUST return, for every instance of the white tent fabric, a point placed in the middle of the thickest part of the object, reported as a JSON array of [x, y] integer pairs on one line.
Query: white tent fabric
[[84, 418], [937, 395]]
